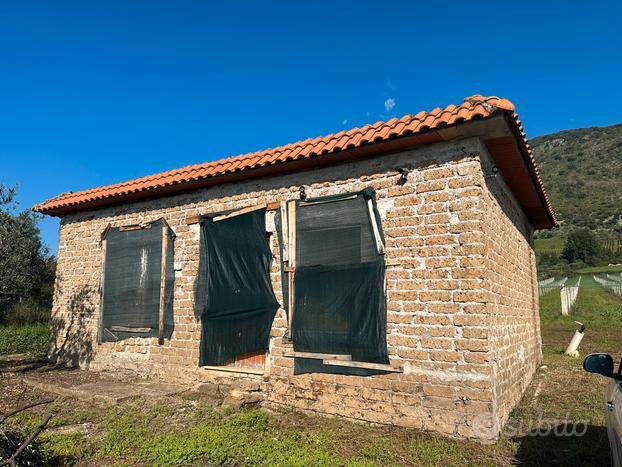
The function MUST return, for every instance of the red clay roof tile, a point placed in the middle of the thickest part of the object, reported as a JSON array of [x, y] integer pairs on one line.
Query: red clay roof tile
[[476, 106]]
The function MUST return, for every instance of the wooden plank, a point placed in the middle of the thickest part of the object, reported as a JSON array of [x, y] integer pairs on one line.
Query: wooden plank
[[239, 212], [291, 229], [273, 206], [374, 226], [367, 365], [103, 234], [311, 203], [233, 369], [125, 228], [253, 360], [290, 302], [291, 223], [318, 356], [190, 220], [162, 310], [102, 276], [114, 336], [284, 231], [129, 329]]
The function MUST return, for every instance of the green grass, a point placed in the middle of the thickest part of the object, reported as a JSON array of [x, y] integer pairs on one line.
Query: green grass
[[24, 339], [595, 306], [549, 245], [189, 430]]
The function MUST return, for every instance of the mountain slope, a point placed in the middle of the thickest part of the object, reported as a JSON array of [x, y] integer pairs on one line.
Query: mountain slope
[[582, 174]]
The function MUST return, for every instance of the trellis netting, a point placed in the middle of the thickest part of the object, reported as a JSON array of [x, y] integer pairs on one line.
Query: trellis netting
[[234, 296], [339, 304], [132, 282]]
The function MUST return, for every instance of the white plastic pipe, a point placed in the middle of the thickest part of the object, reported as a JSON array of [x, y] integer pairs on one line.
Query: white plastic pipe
[[575, 341]]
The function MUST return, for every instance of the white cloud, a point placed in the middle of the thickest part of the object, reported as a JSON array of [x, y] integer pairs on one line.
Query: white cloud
[[389, 104]]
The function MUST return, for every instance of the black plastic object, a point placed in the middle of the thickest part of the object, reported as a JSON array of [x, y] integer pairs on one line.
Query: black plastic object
[[133, 268], [339, 298], [234, 296]]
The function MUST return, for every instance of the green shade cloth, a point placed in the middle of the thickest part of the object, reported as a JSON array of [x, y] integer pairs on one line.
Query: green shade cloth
[[339, 299], [133, 268], [234, 296]]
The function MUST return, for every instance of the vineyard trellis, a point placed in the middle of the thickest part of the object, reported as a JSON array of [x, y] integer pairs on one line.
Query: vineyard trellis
[[614, 286], [547, 285], [569, 296]]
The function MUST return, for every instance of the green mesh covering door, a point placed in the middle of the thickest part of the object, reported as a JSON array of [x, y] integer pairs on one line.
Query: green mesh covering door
[[339, 304], [234, 296], [132, 282]]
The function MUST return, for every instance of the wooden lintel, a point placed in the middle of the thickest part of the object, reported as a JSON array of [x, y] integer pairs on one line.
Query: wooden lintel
[[192, 219], [311, 203], [239, 212], [318, 356], [366, 365], [129, 329], [125, 228], [234, 369]]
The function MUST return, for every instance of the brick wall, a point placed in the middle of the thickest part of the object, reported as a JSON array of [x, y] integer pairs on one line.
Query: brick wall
[[451, 310], [513, 304]]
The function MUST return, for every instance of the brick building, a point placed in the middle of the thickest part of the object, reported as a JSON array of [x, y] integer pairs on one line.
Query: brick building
[[449, 198]]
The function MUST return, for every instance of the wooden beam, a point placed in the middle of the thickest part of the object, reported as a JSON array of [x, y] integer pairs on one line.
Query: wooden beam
[[129, 329], [291, 264], [190, 220], [239, 212], [366, 365], [162, 310], [233, 369], [284, 231], [318, 356], [311, 203], [125, 228], [103, 234], [104, 244], [291, 230], [374, 226], [193, 219]]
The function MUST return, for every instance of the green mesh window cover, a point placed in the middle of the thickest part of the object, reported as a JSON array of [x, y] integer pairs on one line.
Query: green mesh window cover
[[339, 298], [234, 297], [131, 286]]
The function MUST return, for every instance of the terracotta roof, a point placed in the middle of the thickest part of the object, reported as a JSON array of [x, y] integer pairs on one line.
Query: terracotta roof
[[418, 128]]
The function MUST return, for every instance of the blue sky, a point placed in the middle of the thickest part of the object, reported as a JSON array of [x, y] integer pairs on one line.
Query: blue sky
[[99, 92]]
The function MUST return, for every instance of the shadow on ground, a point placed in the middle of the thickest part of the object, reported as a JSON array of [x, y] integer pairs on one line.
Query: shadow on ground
[[554, 448]]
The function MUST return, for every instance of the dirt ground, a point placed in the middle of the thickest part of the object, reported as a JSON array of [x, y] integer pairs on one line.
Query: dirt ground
[[103, 420]]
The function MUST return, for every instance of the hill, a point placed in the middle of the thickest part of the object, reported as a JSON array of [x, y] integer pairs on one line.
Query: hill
[[582, 174]]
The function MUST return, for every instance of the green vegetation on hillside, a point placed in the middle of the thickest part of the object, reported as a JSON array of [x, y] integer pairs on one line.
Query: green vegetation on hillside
[[581, 173]]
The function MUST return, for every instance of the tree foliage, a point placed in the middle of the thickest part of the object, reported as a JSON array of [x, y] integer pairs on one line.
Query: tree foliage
[[581, 245], [26, 268]]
